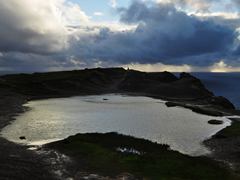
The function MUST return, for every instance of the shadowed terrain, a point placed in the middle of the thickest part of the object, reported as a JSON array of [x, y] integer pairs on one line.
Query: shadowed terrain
[[115, 80], [163, 85], [102, 154], [186, 91]]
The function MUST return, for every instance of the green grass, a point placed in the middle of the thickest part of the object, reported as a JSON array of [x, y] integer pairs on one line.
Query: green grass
[[97, 153], [232, 131]]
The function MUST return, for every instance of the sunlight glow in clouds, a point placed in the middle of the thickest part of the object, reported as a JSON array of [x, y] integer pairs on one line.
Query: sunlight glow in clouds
[[221, 66], [158, 67]]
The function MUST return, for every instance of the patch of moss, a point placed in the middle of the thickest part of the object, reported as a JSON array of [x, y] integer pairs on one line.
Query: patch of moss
[[232, 131], [98, 153]]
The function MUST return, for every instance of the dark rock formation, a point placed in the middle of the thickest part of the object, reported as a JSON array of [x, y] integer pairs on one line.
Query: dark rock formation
[[94, 81], [22, 137], [215, 122], [222, 101]]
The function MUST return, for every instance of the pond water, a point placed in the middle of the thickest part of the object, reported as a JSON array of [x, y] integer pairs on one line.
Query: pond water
[[53, 119]]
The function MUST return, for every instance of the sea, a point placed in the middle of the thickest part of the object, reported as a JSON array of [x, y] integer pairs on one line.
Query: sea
[[222, 84]]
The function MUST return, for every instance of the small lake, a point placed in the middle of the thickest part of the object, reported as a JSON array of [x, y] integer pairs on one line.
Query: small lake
[[53, 119]]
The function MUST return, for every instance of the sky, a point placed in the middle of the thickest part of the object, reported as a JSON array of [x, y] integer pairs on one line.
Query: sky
[[101, 10], [147, 35]]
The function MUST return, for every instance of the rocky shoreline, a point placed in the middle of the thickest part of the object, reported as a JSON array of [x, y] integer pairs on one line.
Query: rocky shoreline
[[15, 90], [225, 145], [16, 161]]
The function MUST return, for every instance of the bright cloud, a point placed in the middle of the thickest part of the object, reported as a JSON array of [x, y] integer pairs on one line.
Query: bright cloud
[[159, 67], [221, 66], [113, 3], [98, 13], [39, 29]]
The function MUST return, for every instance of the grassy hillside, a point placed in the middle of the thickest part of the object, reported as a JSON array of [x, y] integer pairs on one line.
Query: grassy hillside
[[99, 153]]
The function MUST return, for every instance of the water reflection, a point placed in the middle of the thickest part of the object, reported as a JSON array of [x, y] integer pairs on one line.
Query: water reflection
[[54, 119]]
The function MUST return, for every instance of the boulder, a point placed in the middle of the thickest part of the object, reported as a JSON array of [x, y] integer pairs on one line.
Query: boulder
[[215, 122], [22, 137]]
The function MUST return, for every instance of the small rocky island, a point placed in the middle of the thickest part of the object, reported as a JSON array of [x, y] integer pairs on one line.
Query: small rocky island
[[112, 156]]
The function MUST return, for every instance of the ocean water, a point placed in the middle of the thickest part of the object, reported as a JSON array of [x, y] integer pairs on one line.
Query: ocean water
[[223, 84], [53, 119]]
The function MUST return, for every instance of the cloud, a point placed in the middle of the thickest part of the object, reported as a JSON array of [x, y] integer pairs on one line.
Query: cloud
[[193, 5], [98, 14], [27, 62], [36, 26], [57, 34], [163, 34], [113, 3], [71, 13], [230, 19], [236, 3], [205, 6], [221, 66], [159, 67]]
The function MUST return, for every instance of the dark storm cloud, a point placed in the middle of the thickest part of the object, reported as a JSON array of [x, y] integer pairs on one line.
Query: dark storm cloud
[[163, 34], [237, 3]]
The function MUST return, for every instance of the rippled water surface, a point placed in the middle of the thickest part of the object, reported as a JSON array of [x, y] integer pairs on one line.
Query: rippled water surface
[[53, 119]]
